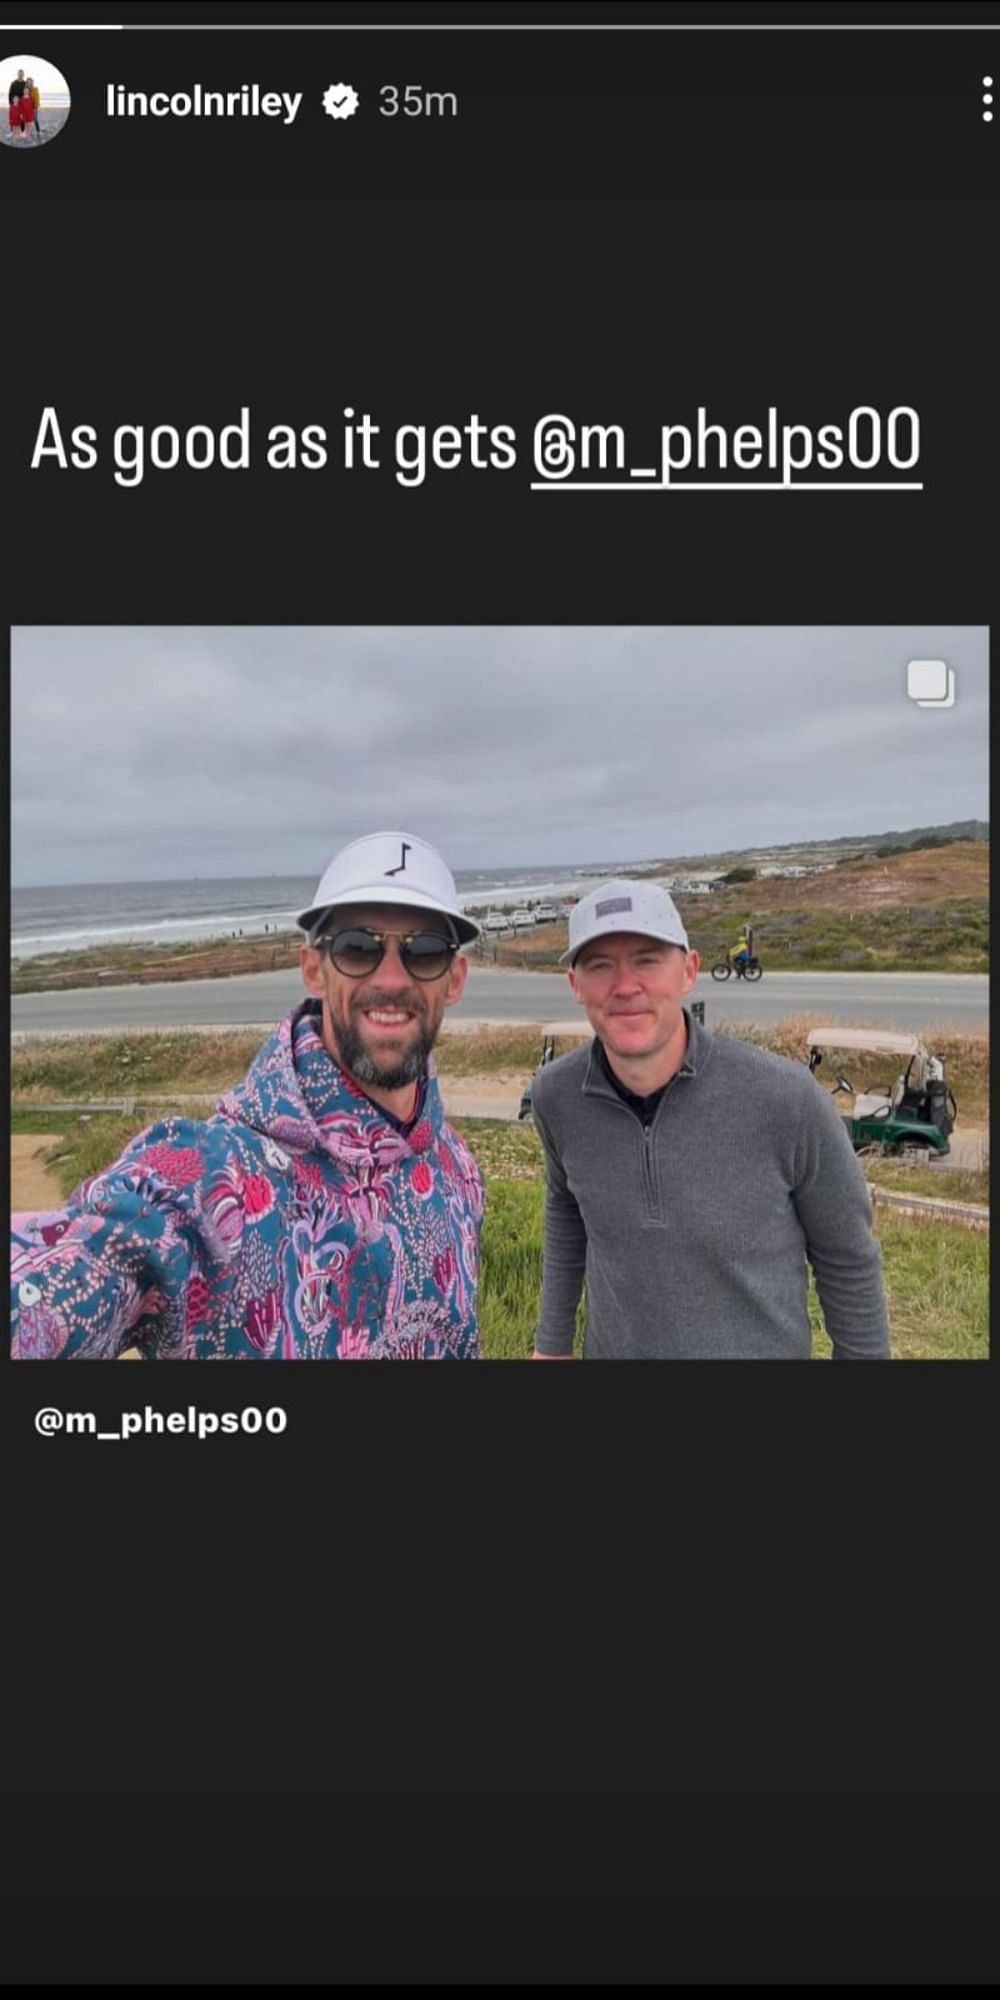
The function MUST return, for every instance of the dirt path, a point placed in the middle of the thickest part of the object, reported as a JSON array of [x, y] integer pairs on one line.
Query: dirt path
[[970, 1148], [482, 1096], [33, 1185]]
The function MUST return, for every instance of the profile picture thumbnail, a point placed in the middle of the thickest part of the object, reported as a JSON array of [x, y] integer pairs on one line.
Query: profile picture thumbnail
[[38, 101]]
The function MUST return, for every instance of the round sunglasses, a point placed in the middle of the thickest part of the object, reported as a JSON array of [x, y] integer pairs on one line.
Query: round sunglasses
[[359, 951]]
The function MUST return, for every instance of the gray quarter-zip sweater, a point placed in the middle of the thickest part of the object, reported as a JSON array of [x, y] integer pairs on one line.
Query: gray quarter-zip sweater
[[691, 1235]]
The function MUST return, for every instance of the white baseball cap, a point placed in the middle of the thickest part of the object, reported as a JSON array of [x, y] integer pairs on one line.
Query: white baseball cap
[[642, 907], [389, 868]]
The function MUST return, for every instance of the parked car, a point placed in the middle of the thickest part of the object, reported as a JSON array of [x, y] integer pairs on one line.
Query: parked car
[[546, 913], [524, 920], [495, 920]]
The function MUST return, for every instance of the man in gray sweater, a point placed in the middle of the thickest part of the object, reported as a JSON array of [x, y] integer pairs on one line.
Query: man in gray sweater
[[690, 1177]]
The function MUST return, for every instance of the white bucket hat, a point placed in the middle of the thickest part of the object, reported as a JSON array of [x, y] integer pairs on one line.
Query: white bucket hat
[[642, 907], [389, 868]]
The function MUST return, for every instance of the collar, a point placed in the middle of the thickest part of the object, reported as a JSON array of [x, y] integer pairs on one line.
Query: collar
[[699, 1043]]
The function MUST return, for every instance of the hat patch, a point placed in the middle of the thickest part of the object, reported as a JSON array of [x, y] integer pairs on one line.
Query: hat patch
[[401, 863], [611, 906]]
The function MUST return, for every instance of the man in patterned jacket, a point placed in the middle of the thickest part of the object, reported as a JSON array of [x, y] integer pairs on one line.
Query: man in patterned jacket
[[326, 1210]]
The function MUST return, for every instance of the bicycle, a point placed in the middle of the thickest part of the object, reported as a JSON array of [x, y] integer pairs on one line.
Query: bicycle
[[750, 968]]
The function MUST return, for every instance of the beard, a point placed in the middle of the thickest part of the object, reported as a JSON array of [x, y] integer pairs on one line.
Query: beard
[[386, 1072]]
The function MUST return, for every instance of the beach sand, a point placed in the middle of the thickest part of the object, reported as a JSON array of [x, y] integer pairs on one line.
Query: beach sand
[[53, 121]]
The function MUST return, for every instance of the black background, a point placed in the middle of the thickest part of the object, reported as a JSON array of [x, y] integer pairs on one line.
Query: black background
[[500, 1673]]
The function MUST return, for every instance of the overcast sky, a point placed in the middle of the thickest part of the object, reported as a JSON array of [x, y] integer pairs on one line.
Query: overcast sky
[[50, 80], [164, 752]]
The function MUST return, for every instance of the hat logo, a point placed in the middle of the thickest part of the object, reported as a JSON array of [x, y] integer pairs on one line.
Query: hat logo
[[611, 905], [401, 864]]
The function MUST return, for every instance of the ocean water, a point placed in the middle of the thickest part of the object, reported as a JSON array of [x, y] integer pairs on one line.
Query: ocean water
[[81, 916]]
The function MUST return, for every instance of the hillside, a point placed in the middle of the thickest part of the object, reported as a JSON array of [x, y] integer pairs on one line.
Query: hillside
[[923, 910], [923, 875], [975, 831]]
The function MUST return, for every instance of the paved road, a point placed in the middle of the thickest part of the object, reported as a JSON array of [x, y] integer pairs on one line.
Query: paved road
[[915, 1000]]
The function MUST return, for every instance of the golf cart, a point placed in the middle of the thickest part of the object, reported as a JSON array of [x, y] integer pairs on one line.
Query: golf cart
[[548, 1052], [916, 1114]]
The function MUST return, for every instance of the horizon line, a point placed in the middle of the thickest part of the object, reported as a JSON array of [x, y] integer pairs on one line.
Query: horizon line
[[510, 868]]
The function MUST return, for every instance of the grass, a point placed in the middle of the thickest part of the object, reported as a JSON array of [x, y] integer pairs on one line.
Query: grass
[[40, 1122], [947, 937], [937, 1281], [492, 1051], [91, 1067], [937, 1274], [127, 1065], [141, 964], [510, 1286], [839, 922], [899, 1177], [84, 1148], [936, 1278]]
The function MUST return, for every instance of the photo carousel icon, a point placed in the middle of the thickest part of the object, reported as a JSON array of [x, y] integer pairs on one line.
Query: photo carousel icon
[[340, 100], [930, 683]]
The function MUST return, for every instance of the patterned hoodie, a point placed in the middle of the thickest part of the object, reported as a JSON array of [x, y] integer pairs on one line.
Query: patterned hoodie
[[299, 1222]]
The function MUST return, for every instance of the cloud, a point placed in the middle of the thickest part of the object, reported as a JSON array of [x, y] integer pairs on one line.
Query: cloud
[[156, 752]]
